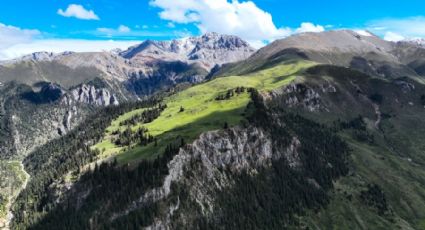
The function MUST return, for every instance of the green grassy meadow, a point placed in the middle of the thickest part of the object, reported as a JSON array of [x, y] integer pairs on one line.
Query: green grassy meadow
[[201, 111]]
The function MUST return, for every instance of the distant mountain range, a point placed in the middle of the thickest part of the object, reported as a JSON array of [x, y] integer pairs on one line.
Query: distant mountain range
[[138, 71]]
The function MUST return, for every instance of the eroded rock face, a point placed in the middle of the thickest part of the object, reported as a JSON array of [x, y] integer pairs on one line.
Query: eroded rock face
[[35, 127], [300, 95], [90, 95], [207, 165]]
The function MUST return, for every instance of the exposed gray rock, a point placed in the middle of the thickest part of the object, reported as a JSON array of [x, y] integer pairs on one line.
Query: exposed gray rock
[[328, 88], [202, 166], [298, 94], [90, 95]]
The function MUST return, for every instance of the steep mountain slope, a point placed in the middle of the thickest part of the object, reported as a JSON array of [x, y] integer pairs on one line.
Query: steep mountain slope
[[221, 157], [359, 50], [318, 146]]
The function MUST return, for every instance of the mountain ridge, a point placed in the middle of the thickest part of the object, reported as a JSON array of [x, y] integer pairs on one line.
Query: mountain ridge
[[359, 50]]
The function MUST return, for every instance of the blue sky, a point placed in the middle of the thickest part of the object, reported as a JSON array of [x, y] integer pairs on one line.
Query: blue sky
[[53, 25]]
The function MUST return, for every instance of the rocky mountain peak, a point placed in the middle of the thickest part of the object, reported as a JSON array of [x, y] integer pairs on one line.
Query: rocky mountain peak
[[207, 50]]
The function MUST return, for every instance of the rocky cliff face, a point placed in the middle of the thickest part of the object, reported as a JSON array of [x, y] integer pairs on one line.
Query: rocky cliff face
[[34, 127], [33, 118], [209, 164], [90, 95]]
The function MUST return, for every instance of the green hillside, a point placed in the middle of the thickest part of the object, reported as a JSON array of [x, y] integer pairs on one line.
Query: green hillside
[[201, 111]]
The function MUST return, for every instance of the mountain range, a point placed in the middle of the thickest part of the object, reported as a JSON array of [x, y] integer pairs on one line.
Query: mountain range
[[313, 131]]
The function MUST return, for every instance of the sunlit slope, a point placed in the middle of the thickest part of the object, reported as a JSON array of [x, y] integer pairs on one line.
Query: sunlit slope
[[202, 112]]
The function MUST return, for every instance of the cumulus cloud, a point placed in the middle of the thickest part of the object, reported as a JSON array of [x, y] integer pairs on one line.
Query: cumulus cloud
[[243, 19], [397, 29], [10, 35], [78, 11], [309, 27], [15, 42]]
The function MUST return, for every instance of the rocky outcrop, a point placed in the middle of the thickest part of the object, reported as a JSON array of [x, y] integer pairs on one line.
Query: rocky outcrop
[[301, 95], [208, 164], [90, 95]]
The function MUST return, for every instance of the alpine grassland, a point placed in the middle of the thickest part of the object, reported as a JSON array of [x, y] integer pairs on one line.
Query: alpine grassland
[[196, 110]]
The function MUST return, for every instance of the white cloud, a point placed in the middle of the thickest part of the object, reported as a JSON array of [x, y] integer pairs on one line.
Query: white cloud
[[309, 27], [15, 42], [61, 45], [257, 44], [396, 29], [243, 19], [240, 18], [10, 35], [78, 11], [394, 37]]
